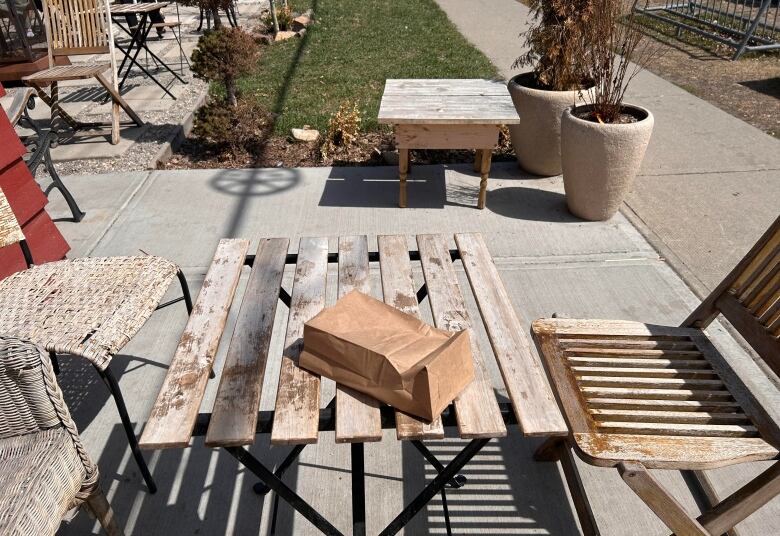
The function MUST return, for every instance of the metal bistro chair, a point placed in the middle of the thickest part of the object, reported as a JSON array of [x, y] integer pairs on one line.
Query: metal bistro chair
[[80, 27], [43, 465], [641, 396], [20, 100], [89, 307]]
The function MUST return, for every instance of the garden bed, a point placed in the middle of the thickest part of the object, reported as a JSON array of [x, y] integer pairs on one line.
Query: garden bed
[[345, 56]]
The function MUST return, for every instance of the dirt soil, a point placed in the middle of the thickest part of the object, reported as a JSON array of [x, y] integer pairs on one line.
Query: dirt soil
[[283, 151]]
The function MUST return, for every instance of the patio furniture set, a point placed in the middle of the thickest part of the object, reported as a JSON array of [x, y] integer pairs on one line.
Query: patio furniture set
[[625, 395], [85, 28]]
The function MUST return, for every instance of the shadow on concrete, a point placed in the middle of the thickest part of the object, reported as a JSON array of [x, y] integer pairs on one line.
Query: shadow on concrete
[[377, 187], [244, 186], [532, 204]]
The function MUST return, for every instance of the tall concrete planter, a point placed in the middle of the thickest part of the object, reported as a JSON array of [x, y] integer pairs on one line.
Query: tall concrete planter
[[537, 139], [600, 161]]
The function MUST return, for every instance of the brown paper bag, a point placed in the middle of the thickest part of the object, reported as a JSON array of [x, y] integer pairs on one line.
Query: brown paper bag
[[394, 357]]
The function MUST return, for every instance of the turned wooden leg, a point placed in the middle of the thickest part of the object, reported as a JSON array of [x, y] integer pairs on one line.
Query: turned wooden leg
[[403, 171], [486, 155], [478, 160], [98, 505]]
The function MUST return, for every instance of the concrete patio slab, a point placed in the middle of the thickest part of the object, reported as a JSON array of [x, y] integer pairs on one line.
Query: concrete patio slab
[[548, 263]]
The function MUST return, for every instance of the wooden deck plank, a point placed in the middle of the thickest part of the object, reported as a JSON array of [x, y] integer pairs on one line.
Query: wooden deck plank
[[298, 396], [532, 398], [234, 417], [476, 408], [174, 412], [398, 291], [357, 414]]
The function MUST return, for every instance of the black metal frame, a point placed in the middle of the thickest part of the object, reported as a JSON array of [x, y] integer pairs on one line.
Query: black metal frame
[[138, 41], [44, 141], [448, 475], [107, 375]]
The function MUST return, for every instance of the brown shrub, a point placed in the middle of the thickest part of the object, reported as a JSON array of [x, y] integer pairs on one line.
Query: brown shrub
[[240, 128], [343, 128]]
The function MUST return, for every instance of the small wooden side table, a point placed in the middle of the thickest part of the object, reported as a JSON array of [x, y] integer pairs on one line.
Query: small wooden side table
[[446, 114]]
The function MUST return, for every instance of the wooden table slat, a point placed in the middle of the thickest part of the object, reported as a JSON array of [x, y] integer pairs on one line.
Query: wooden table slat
[[532, 398], [453, 109], [296, 419], [398, 291], [173, 415], [234, 417], [357, 414], [454, 86], [476, 408]]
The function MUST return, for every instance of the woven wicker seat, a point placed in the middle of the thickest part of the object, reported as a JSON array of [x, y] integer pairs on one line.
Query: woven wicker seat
[[88, 307], [44, 468]]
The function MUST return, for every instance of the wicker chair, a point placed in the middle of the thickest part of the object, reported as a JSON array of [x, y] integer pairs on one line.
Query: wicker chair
[[89, 307], [43, 465]]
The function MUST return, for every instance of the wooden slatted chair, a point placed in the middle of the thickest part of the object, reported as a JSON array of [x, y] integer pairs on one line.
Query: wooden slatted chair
[[641, 396], [80, 27], [89, 307]]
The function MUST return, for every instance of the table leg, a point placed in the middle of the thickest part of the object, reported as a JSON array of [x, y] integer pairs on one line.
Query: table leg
[[478, 160], [358, 490], [486, 157], [403, 171]]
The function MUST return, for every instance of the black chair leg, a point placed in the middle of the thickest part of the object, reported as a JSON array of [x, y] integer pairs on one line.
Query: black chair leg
[[78, 214], [113, 386], [55, 363]]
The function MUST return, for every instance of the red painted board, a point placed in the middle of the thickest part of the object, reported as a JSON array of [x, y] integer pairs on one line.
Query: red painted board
[[23, 193], [45, 241], [11, 148]]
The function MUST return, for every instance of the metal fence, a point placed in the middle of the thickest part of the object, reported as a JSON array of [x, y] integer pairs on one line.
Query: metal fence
[[745, 25]]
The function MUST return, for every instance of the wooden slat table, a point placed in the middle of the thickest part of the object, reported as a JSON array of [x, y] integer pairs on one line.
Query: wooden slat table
[[298, 417], [446, 114]]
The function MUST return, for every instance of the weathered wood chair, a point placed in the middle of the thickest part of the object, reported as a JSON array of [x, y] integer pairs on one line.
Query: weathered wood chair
[[641, 396], [44, 468], [79, 27], [89, 307]]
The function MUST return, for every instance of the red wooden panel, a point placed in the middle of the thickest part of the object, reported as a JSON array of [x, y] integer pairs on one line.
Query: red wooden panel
[[23, 193], [9, 141]]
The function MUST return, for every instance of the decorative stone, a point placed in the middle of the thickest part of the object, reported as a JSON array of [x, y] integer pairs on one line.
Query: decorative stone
[[305, 134], [300, 23], [281, 36]]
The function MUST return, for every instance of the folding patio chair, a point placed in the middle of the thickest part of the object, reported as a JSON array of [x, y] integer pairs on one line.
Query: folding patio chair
[[641, 396], [89, 307], [44, 468], [80, 27], [19, 100]]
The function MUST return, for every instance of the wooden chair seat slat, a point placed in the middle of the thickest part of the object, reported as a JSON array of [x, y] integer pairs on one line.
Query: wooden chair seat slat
[[674, 429], [234, 417], [663, 405], [650, 373], [296, 420], [62, 73], [637, 362], [173, 415], [357, 415], [476, 408], [631, 352], [626, 344], [398, 291], [660, 416], [653, 383], [654, 394], [532, 398]]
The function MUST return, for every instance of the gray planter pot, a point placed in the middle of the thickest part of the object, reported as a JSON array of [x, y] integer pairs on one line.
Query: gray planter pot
[[600, 161], [537, 139]]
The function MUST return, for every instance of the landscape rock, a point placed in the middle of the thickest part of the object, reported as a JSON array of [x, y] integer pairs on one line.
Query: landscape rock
[[281, 36], [300, 23], [305, 134]]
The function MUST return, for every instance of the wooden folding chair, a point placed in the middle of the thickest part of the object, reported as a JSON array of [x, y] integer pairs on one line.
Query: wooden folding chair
[[79, 27], [641, 396]]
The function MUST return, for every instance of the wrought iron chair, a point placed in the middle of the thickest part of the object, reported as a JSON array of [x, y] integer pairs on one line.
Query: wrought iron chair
[[16, 105], [80, 27], [641, 396], [89, 307], [43, 465]]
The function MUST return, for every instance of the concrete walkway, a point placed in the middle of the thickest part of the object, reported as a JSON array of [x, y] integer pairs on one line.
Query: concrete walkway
[[548, 260], [709, 184]]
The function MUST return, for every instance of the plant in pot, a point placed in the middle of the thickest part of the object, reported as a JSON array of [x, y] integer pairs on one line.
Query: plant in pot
[[603, 141], [554, 42]]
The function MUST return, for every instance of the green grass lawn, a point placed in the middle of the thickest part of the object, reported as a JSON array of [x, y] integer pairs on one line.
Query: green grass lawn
[[347, 55]]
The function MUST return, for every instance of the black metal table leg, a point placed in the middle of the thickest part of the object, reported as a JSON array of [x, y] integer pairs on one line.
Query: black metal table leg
[[435, 486], [458, 481], [281, 489], [358, 489], [261, 488]]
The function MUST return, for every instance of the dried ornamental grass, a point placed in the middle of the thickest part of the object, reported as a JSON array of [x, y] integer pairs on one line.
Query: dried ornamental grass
[[343, 128]]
